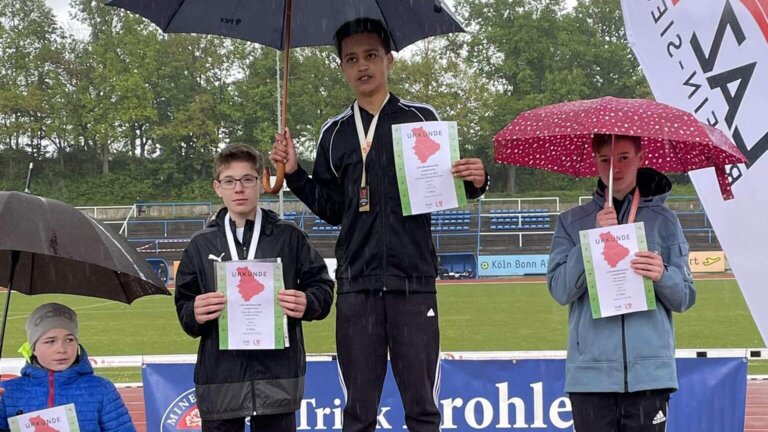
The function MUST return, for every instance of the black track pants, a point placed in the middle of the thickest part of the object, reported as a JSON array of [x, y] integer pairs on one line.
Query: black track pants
[[368, 325], [643, 411], [267, 423]]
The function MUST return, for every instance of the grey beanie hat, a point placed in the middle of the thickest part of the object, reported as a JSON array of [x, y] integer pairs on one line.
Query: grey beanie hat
[[50, 316]]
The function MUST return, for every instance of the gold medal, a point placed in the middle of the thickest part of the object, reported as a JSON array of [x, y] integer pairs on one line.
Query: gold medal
[[364, 204]]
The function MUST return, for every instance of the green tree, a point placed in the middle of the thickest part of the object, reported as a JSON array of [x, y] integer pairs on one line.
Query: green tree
[[192, 91], [253, 116], [29, 45], [100, 64], [138, 45], [598, 45], [539, 52], [435, 72], [315, 100]]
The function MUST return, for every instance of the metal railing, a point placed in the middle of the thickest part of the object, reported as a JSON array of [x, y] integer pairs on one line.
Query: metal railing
[[692, 207], [173, 210], [521, 222], [166, 223], [106, 212]]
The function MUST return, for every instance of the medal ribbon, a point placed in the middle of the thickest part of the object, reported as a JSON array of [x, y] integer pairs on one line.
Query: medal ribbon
[[234, 256], [366, 139]]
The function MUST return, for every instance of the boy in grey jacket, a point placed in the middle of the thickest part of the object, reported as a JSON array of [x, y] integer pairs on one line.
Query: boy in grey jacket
[[620, 370]]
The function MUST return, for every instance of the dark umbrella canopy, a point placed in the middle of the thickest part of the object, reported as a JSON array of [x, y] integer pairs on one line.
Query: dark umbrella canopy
[[61, 250], [284, 24], [313, 21]]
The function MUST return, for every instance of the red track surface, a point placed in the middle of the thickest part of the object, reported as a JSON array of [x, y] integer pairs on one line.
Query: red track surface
[[757, 406], [756, 421]]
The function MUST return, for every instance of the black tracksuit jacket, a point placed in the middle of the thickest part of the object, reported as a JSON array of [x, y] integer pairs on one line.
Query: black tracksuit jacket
[[380, 249], [240, 383]]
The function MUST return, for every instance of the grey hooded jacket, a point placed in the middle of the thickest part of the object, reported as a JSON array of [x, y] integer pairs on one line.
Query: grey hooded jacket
[[635, 351]]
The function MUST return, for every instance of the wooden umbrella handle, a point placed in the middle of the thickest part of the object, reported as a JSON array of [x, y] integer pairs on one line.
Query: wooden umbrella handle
[[280, 167], [279, 176]]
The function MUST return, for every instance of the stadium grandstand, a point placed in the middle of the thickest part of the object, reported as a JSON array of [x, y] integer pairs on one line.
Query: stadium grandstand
[[486, 227]]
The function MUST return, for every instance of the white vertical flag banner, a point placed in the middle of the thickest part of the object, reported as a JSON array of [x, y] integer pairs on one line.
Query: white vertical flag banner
[[710, 57]]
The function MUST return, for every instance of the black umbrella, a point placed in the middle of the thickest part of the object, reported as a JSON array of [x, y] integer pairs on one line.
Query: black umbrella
[[283, 24], [47, 246]]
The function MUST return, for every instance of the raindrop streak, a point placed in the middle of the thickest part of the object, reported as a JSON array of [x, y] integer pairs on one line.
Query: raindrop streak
[[53, 244]]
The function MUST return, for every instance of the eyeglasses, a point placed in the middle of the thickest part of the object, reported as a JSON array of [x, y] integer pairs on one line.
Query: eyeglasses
[[246, 181]]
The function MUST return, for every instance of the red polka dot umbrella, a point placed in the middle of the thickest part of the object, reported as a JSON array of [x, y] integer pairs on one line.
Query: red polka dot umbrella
[[558, 138]]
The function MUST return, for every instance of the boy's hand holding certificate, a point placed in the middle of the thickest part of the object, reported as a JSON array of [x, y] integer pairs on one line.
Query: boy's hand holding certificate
[[252, 318], [57, 419], [424, 154], [614, 288]]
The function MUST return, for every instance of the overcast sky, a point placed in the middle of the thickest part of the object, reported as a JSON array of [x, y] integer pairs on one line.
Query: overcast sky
[[59, 7]]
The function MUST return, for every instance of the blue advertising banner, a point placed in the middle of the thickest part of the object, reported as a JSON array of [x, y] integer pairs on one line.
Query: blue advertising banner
[[512, 265], [485, 395]]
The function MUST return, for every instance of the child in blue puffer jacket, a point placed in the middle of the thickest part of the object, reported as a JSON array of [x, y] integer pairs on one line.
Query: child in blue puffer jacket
[[58, 373]]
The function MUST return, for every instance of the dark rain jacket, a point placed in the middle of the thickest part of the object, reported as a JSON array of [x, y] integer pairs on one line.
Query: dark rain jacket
[[381, 249], [240, 383], [636, 351]]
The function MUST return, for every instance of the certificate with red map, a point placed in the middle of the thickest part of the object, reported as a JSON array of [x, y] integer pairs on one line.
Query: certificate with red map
[[424, 153], [252, 318], [57, 419], [614, 288]]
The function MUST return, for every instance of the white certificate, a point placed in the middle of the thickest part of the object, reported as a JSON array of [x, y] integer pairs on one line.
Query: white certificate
[[424, 154], [614, 288], [252, 318], [57, 419]]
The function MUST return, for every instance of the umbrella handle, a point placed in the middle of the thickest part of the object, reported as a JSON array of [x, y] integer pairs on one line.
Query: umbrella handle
[[279, 176], [14, 261], [610, 173], [280, 167]]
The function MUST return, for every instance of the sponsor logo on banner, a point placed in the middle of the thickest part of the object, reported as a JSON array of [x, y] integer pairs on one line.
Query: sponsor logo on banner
[[703, 51], [482, 395], [710, 57], [512, 265], [182, 414], [707, 262]]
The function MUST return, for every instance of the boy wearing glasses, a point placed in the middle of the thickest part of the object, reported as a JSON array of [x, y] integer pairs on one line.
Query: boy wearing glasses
[[265, 385]]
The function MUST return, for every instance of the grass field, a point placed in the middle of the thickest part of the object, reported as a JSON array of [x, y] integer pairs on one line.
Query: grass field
[[473, 317]]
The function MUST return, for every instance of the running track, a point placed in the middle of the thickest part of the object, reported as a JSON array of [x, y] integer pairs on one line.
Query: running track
[[756, 420]]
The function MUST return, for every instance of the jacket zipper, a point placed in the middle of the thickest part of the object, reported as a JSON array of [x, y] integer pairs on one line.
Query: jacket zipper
[[385, 212], [253, 393], [253, 378], [50, 389], [624, 353], [624, 209]]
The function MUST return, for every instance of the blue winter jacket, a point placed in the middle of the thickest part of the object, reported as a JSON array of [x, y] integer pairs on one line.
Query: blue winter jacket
[[631, 352], [97, 402]]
